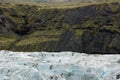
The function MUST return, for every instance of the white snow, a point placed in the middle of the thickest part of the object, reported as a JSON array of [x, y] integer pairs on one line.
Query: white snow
[[58, 66]]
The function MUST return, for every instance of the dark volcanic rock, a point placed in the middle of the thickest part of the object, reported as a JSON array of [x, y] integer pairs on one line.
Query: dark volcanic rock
[[64, 41]]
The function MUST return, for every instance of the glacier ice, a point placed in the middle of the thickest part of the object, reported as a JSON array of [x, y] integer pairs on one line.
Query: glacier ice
[[58, 66]]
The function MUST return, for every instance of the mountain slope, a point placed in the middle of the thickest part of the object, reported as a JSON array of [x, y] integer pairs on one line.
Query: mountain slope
[[90, 29]]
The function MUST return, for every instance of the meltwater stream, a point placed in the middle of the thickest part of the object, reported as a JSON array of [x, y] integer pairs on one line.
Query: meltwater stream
[[58, 66]]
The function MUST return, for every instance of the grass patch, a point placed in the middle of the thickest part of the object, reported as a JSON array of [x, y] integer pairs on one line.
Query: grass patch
[[46, 32], [40, 36], [5, 42], [34, 40]]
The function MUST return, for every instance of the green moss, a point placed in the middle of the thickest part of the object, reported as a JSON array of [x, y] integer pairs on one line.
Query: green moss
[[112, 28], [114, 7], [78, 32], [89, 24]]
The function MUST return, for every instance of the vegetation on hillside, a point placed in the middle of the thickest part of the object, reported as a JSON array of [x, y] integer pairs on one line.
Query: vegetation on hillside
[[33, 28]]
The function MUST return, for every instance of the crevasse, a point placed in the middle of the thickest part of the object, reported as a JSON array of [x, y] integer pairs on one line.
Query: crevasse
[[58, 66]]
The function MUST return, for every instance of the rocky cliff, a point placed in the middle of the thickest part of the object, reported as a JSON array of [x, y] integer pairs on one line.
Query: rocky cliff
[[89, 29]]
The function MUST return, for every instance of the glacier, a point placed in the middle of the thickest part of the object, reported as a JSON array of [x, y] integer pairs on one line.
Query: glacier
[[58, 66]]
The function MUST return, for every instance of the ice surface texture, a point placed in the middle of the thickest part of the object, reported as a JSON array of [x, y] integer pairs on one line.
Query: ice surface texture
[[58, 66]]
